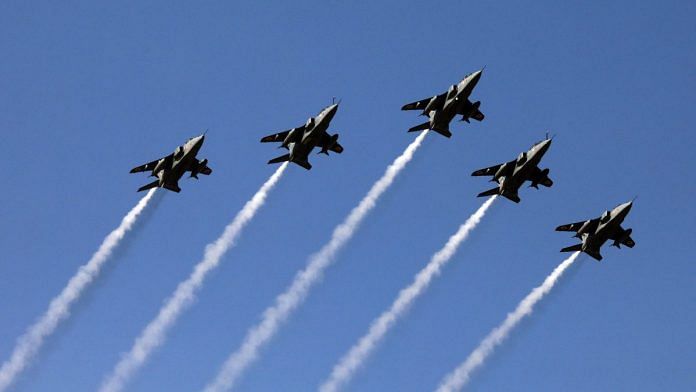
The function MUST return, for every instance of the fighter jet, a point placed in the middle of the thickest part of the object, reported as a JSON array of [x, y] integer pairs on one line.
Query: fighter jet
[[511, 175], [171, 168], [441, 109], [301, 141], [595, 232]]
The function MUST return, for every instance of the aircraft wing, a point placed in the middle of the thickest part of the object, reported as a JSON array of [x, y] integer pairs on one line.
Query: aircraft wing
[[540, 177], [330, 143], [420, 105], [149, 166], [201, 167], [475, 114], [490, 171], [206, 170], [623, 237], [280, 136], [573, 226]]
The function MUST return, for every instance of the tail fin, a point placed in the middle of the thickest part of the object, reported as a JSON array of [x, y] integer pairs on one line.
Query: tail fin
[[490, 192], [420, 127], [153, 184], [282, 158], [572, 248]]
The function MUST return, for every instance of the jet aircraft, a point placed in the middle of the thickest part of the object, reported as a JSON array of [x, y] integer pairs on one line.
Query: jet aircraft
[[171, 168], [441, 109], [511, 175], [595, 232], [301, 141]]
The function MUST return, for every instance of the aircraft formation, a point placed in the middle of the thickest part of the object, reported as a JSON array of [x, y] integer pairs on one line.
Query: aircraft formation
[[441, 110]]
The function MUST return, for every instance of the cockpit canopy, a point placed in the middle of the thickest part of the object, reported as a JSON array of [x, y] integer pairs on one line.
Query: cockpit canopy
[[522, 158], [605, 217], [179, 152], [452, 91]]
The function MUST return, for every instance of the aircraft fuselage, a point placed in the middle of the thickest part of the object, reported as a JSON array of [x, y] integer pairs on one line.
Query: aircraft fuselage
[[526, 162], [609, 224]]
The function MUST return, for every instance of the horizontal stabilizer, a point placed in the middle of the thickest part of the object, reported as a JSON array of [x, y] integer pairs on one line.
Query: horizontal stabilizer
[[443, 132], [304, 164], [172, 187], [153, 184], [573, 248], [490, 192], [420, 127], [511, 196], [282, 158]]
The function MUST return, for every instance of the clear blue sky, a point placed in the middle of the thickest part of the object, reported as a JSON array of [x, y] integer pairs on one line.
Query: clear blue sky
[[88, 91]]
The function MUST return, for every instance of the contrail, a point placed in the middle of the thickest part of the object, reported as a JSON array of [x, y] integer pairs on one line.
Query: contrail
[[155, 332], [288, 301], [356, 356], [456, 380], [29, 344]]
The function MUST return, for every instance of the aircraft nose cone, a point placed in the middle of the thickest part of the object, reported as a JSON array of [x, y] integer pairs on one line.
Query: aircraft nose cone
[[542, 146], [331, 111], [626, 207], [477, 75]]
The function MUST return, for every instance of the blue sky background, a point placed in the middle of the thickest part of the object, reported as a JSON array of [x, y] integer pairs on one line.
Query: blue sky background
[[90, 89]]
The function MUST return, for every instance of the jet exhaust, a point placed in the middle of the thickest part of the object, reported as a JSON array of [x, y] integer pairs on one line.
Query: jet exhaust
[[456, 380], [155, 332], [30, 343], [356, 356], [288, 301]]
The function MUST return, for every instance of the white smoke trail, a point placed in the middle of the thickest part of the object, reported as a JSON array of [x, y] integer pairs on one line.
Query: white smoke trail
[[356, 356], [456, 380], [155, 333], [29, 344], [286, 302]]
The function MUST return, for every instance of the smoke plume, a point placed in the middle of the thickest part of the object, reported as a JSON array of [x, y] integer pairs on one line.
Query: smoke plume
[[59, 309], [155, 332], [356, 356], [289, 300], [456, 380]]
